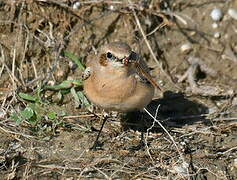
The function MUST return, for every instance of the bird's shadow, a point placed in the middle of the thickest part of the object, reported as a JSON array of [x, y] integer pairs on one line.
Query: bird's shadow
[[173, 110]]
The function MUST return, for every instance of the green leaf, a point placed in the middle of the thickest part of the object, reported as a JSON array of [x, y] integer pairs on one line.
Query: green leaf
[[39, 90], [38, 113], [27, 113], [65, 85], [52, 115], [16, 118], [75, 59], [76, 97], [27, 97], [83, 99]]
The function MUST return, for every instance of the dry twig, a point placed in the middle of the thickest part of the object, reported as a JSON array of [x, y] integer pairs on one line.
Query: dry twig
[[149, 46], [204, 90]]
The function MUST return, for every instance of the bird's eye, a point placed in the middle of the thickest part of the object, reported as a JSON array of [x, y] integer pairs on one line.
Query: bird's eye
[[109, 55]]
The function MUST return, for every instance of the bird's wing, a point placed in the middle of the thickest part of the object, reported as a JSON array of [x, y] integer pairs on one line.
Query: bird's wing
[[143, 73]]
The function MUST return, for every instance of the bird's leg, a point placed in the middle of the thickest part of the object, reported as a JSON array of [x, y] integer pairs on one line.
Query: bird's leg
[[96, 142], [141, 144]]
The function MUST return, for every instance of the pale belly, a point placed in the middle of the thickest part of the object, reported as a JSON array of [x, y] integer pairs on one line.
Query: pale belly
[[122, 97]]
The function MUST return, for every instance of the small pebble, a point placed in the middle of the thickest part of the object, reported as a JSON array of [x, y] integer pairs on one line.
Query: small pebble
[[76, 5], [60, 73], [2, 114], [111, 7], [182, 169], [215, 25], [70, 78], [233, 13], [51, 83], [161, 83], [212, 110], [186, 47], [217, 35], [216, 14], [234, 103], [235, 163]]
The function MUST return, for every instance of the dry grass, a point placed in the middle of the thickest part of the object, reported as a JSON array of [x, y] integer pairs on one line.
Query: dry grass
[[45, 121]]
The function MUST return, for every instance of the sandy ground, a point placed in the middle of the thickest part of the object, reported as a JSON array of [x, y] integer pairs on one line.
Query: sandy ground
[[192, 57]]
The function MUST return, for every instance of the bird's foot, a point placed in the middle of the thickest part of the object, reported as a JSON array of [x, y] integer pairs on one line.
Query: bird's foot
[[138, 147], [96, 146]]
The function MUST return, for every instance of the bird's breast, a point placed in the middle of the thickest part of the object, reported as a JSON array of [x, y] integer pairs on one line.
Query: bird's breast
[[114, 88], [117, 93]]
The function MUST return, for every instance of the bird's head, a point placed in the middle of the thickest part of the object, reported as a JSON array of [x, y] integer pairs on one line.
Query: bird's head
[[117, 54]]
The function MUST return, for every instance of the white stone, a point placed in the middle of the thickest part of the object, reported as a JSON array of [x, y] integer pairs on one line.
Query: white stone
[[186, 47], [2, 114], [215, 25], [232, 13], [111, 7], [235, 163], [76, 5], [217, 35], [216, 14]]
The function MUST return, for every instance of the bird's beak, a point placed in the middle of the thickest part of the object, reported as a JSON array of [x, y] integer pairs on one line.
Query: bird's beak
[[132, 58], [125, 61]]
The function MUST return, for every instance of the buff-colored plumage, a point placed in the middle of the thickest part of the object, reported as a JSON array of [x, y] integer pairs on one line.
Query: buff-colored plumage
[[115, 85]]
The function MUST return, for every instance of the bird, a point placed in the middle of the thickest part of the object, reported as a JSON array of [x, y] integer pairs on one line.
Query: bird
[[117, 79]]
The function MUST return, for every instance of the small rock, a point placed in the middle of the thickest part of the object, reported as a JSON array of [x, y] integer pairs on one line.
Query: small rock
[[232, 13], [234, 103], [2, 114], [76, 5], [161, 83], [185, 48], [60, 73], [235, 163], [216, 14], [217, 35], [215, 25], [212, 110], [70, 78], [111, 7], [51, 83], [182, 169]]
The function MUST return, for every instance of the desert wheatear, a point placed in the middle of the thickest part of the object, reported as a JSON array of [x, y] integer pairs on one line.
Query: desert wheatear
[[117, 79]]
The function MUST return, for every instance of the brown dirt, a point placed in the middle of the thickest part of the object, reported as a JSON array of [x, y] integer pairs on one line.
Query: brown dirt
[[201, 119]]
